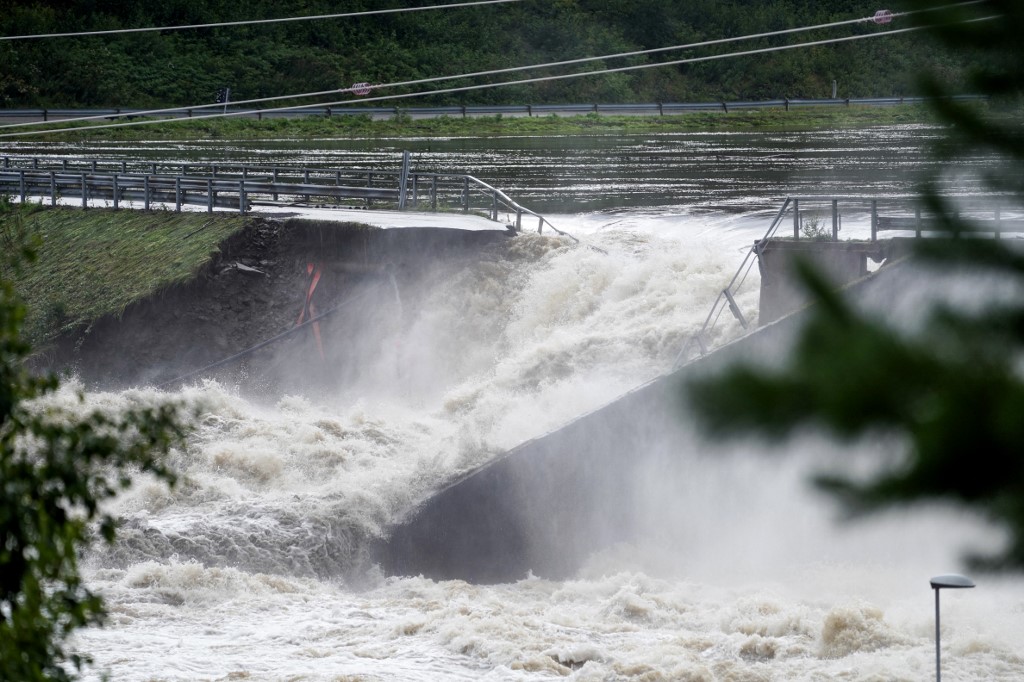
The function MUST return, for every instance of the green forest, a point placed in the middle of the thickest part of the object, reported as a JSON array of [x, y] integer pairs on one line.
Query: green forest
[[188, 67]]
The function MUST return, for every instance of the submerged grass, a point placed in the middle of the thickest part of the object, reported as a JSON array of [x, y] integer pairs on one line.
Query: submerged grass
[[95, 262], [403, 126]]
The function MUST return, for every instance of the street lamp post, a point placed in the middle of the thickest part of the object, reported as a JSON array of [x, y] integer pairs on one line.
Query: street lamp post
[[939, 582]]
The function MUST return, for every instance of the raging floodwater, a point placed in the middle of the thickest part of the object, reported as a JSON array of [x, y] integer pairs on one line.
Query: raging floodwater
[[252, 568]]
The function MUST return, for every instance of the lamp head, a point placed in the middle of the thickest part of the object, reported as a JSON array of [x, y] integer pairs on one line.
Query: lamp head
[[951, 581]]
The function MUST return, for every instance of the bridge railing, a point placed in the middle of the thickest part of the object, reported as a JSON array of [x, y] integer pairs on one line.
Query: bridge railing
[[240, 185], [821, 217]]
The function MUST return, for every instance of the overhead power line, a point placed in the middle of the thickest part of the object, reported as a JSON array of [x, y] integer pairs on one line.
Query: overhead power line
[[525, 81], [493, 72], [343, 15]]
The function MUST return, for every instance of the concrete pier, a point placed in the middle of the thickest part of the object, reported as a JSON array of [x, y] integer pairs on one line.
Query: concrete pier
[[840, 262]]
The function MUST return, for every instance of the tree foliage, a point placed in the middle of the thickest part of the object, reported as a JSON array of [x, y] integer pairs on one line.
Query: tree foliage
[[178, 68], [954, 389], [56, 468]]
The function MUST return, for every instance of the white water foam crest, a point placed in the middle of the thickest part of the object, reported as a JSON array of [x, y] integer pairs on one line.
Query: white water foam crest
[[505, 350], [620, 626]]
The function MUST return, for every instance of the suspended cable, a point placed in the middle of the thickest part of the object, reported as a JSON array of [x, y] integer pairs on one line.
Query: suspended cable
[[343, 15], [525, 81], [494, 72]]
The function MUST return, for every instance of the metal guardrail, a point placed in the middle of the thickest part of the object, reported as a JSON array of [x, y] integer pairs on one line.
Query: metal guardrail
[[820, 218], [649, 109], [240, 185], [726, 298]]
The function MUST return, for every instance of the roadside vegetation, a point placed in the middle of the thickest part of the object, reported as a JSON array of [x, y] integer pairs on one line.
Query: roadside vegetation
[[95, 262], [361, 125]]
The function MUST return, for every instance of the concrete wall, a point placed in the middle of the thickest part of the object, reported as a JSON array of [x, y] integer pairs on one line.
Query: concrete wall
[[840, 262]]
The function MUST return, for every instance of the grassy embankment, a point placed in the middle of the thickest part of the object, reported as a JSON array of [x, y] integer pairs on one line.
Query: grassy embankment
[[803, 118], [95, 262]]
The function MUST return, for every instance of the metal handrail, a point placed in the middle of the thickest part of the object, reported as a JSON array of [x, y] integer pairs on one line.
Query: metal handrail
[[194, 181], [520, 210], [725, 298]]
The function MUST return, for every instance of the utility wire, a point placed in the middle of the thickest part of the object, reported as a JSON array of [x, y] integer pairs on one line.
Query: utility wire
[[493, 72], [525, 81], [249, 22]]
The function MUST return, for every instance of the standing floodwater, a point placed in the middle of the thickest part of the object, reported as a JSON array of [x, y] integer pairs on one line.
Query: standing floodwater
[[252, 567]]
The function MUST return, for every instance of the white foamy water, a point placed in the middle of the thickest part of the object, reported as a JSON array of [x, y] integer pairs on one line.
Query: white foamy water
[[253, 568]]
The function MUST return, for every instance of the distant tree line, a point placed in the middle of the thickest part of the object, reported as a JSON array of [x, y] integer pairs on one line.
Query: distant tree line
[[173, 68]]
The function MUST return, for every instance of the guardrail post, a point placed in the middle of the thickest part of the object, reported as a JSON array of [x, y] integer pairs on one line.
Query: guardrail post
[[403, 180], [85, 193], [874, 220], [94, 165], [274, 195], [241, 197], [209, 195], [917, 216], [35, 162], [519, 220], [433, 193], [152, 169], [114, 188], [999, 222], [465, 195], [529, 110], [145, 193], [64, 164], [835, 220], [21, 185], [796, 219], [369, 184], [415, 190], [494, 205], [46, 115], [177, 194], [7, 162], [540, 225], [124, 167], [53, 189]]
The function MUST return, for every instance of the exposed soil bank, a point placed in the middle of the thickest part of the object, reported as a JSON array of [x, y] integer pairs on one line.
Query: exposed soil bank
[[256, 288]]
